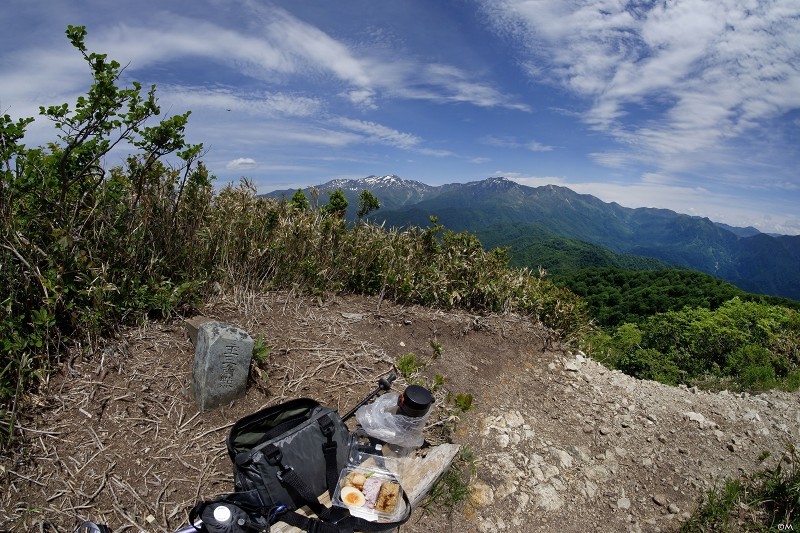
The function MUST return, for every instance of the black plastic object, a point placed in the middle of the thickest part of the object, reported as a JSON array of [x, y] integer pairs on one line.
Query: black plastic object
[[415, 401], [225, 518], [91, 527], [384, 384]]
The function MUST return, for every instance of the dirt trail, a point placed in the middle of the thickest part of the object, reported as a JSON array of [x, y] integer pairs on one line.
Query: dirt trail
[[560, 442]]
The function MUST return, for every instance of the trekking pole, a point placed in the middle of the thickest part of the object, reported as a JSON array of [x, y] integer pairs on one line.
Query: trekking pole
[[384, 384]]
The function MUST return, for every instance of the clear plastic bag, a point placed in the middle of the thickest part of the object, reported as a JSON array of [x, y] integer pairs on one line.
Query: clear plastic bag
[[380, 420]]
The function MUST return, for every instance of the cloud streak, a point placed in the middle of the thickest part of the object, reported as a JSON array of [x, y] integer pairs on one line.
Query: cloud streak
[[513, 142], [380, 134], [666, 79]]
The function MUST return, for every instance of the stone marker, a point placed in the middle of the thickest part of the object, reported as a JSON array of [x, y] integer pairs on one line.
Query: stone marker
[[221, 364], [192, 326]]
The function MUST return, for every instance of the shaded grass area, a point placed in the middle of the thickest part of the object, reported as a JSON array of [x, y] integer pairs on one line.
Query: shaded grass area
[[768, 500]]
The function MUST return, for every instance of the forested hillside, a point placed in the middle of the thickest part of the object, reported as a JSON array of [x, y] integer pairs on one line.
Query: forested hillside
[[615, 295], [534, 246], [740, 345]]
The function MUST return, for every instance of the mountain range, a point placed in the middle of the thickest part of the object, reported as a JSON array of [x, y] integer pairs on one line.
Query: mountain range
[[534, 221]]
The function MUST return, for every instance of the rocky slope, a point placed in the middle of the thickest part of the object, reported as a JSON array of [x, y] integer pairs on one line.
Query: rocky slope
[[559, 442]]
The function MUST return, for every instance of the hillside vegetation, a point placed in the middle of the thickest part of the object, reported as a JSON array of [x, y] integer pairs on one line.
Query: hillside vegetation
[[533, 245], [84, 249], [616, 295], [757, 263], [740, 345]]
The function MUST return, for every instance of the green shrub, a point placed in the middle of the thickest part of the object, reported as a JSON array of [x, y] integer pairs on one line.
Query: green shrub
[[463, 401], [791, 382], [299, 200], [758, 378], [749, 345], [407, 366], [437, 348], [84, 248], [367, 203], [650, 364], [260, 350]]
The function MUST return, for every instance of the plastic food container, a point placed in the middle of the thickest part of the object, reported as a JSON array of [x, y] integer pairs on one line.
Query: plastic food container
[[369, 492]]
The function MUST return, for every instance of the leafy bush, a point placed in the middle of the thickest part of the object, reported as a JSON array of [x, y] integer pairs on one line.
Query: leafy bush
[[83, 248], [650, 364], [758, 378], [367, 203], [463, 401], [755, 344], [407, 366]]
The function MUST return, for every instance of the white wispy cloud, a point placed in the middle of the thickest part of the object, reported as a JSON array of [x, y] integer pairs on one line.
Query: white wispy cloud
[[436, 152], [446, 83], [504, 141], [536, 146], [378, 133], [272, 134], [277, 49], [242, 163], [171, 36], [286, 45], [702, 71], [291, 35], [364, 98], [255, 103]]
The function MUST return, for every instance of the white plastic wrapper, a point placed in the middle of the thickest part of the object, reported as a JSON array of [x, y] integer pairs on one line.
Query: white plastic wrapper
[[380, 420]]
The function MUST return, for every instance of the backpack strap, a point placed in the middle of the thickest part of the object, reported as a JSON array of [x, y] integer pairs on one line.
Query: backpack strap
[[246, 515], [329, 451], [290, 479], [339, 520]]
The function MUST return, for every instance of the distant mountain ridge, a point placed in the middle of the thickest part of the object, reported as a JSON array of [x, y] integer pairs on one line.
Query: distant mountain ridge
[[752, 260], [392, 191]]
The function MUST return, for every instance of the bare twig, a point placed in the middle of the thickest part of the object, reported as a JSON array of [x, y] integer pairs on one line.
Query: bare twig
[[210, 431], [26, 478]]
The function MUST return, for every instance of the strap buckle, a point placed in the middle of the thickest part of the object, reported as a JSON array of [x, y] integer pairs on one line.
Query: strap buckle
[[337, 515], [273, 455], [283, 471], [275, 513], [326, 425]]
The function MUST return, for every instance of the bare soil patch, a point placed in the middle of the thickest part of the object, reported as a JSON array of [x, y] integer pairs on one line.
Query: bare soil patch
[[560, 442]]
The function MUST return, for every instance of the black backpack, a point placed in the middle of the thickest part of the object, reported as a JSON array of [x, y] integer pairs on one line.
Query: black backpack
[[284, 457]]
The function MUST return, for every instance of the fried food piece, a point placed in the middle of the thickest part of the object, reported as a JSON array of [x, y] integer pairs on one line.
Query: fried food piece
[[387, 497], [355, 479]]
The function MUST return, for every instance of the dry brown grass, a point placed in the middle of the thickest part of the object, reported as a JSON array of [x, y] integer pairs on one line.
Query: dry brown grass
[[115, 438]]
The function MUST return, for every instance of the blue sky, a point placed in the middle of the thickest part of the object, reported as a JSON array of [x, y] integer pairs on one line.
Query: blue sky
[[691, 105]]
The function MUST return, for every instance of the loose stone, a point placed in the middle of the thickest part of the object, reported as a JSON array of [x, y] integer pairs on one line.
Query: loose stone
[[660, 499]]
